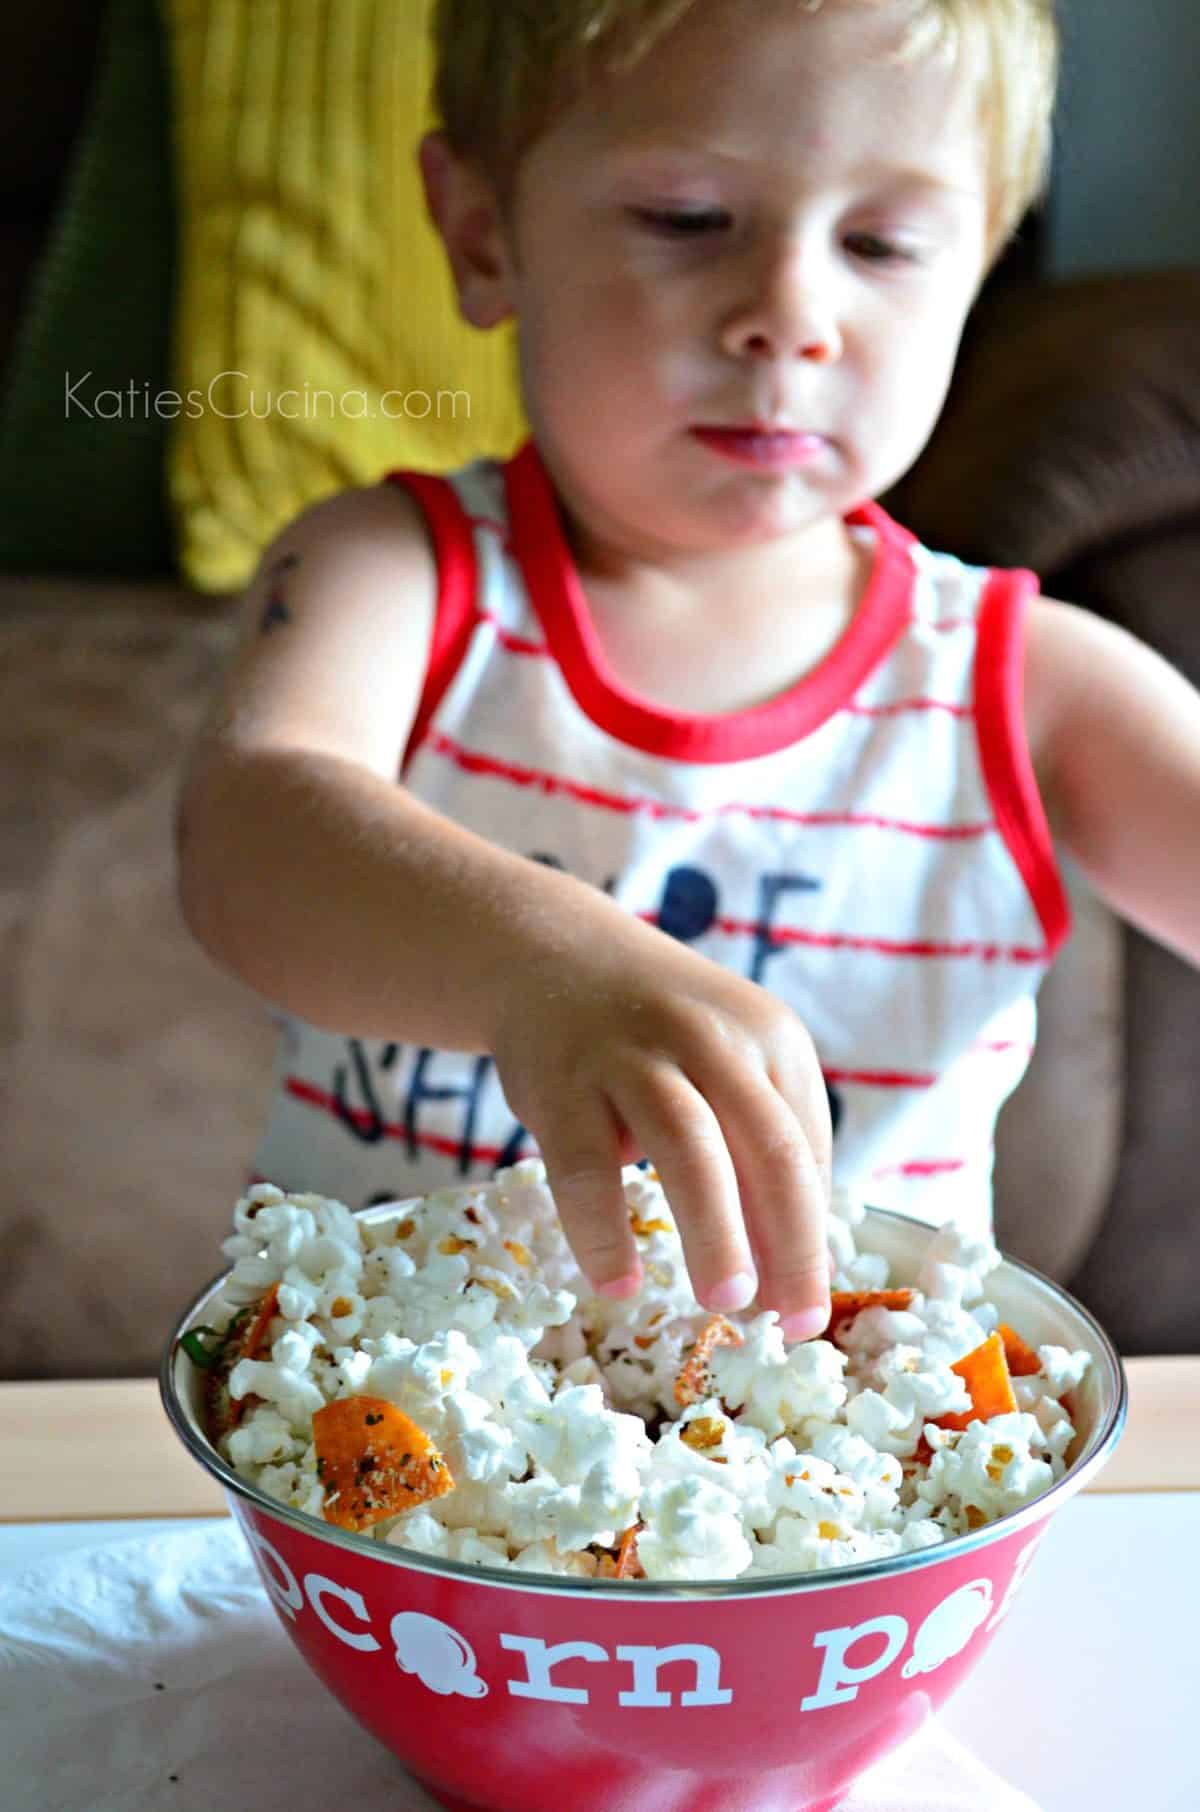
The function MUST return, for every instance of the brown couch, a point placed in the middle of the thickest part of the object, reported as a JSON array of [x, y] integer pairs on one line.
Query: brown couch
[[132, 1074]]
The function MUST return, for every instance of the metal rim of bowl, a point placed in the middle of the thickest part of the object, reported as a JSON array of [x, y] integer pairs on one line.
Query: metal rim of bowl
[[1103, 1442]]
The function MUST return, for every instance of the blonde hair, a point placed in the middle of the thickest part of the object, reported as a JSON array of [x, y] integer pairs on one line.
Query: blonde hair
[[504, 68]]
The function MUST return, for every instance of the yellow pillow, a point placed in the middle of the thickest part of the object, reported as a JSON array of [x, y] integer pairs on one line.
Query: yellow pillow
[[317, 339]]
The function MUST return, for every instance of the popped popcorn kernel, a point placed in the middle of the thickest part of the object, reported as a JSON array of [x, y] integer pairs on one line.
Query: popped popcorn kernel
[[703, 1432]]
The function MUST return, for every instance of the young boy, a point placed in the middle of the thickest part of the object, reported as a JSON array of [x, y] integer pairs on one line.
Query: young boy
[[656, 794]]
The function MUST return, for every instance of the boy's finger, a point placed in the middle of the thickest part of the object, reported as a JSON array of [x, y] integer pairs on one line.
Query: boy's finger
[[786, 1214], [785, 1197], [580, 1147], [802, 1086], [681, 1135]]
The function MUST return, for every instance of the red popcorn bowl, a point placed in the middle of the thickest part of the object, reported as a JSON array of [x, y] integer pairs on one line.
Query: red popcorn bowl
[[521, 1692]]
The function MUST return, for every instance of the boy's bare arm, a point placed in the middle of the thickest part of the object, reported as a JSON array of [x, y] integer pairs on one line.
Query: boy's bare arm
[[307, 868], [1115, 733]]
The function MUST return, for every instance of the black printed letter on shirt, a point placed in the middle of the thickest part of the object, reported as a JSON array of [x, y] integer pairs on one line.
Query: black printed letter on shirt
[[771, 889], [366, 1123]]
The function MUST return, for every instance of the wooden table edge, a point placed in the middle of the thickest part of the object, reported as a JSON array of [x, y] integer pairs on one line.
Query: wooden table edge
[[102, 1449]]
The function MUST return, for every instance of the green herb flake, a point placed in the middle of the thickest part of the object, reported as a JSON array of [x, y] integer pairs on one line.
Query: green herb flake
[[199, 1354]]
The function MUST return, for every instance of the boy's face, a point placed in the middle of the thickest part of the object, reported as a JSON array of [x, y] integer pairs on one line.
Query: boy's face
[[740, 272]]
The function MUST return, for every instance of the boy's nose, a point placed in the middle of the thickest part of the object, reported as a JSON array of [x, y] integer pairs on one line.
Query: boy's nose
[[783, 317], [821, 349]]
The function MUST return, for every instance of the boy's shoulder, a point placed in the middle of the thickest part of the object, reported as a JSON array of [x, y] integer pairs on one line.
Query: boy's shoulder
[[380, 522], [349, 559], [399, 529]]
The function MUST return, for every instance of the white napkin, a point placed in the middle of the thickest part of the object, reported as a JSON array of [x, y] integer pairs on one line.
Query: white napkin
[[153, 1676]]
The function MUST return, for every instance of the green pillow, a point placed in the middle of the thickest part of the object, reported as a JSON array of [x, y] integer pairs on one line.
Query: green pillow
[[84, 421]]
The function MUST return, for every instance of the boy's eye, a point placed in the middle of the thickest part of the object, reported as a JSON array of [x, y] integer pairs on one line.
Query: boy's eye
[[875, 249], [682, 223]]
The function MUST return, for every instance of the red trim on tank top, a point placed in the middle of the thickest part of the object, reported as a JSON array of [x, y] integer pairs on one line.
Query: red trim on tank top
[[558, 599], [454, 616], [1007, 765]]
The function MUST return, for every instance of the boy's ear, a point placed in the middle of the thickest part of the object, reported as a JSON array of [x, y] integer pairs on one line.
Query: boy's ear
[[464, 208]]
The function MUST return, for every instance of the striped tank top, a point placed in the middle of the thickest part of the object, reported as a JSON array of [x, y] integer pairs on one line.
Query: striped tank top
[[869, 845]]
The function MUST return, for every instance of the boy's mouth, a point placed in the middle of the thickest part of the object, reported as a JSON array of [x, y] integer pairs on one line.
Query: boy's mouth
[[765, 449]]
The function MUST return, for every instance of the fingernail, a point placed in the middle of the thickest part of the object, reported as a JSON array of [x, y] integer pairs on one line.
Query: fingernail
[[805, 1324], [621, 1287], [736, 1292]]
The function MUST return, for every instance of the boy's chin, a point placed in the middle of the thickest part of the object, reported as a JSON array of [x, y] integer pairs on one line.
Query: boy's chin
[[760, 510]]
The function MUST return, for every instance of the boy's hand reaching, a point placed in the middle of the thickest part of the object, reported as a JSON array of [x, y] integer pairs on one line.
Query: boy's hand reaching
[[626, 1044]]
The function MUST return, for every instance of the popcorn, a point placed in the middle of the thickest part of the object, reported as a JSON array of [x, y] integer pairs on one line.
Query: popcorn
[[778, 1388], [1061, 1370], [296, 1397], [693, 1530], [992, 1468], [264, 1440], [569, 1423]]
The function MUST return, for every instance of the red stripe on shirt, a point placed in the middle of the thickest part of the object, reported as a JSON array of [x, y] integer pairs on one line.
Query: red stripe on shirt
[[903, 707], [306, 1092], [924, 948], [880, 1078], [922, 1167], [915, 1078], [512, 644], [515, 644], [472, 762], [310, 1096]]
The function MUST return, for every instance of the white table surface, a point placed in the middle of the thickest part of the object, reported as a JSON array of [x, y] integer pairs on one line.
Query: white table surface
[[1088, 1696]]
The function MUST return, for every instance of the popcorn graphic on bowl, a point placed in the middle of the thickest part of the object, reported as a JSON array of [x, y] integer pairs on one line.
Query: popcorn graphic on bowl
[[442, 1660], [947, 1630]]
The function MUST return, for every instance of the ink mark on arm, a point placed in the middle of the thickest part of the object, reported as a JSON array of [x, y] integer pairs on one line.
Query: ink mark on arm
[[276, 613]]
